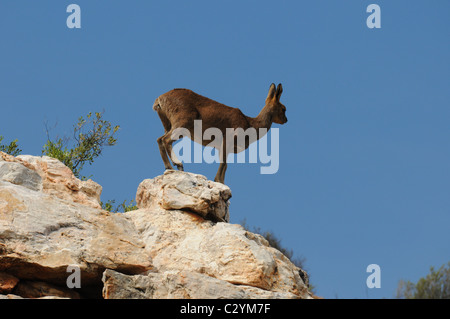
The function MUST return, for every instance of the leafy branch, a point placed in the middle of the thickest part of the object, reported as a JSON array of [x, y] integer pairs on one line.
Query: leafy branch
[[11, 149], [123, 207], [435, 285], [91, 135]]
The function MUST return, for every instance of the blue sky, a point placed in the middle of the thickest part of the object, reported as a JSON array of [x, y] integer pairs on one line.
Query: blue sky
[[365, 157]]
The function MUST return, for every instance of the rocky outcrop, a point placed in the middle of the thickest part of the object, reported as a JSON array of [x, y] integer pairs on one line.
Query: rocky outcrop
[[177, 244], [49, 176], [187, 192]]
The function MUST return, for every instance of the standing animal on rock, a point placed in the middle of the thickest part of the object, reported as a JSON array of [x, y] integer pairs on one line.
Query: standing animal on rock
[[180, 108]]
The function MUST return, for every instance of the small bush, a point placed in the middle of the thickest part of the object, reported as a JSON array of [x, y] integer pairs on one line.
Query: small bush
[[121, 208], [90, 136], [11, 149]]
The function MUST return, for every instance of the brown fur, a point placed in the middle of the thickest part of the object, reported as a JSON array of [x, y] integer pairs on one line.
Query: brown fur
[[179, 108]]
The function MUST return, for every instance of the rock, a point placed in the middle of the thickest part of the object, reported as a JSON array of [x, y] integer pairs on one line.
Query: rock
[[177, 240], [180, 284], [41, 235], [36, 289], [20, 175], [173, 246], [10, 296], [7, 283], [185, 191], [55, 178], [43, 232]]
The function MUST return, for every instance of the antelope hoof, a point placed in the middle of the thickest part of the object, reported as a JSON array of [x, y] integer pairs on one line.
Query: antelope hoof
[[180, 167]]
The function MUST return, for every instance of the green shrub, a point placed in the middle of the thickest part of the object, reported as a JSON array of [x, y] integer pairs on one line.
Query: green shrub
[[122, 208], [90, 135], [11, 149], [436, 285]]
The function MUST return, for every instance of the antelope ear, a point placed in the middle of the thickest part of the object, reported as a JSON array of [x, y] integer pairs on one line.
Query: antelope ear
[[279, 91], [272, 91]]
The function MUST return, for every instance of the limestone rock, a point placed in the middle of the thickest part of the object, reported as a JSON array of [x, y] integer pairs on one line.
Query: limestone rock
[[7, 283], [10, 296], [46, 228], [18, 174], [185, 191], [171, 247], [41, 235], [177, 240], [36, 289], [180, 284], [49, 175]]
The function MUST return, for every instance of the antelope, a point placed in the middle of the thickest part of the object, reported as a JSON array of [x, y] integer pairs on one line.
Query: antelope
[[179, 108]]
